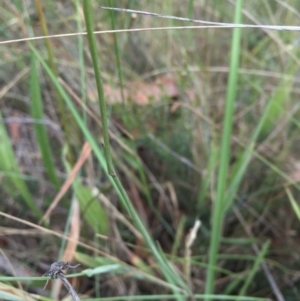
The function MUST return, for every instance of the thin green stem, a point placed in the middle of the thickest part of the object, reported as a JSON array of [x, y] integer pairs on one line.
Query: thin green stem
[[166, 269], [93, 50], [218, 206]]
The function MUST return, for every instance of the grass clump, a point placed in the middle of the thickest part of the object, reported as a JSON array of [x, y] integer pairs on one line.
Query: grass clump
[[123, 142]]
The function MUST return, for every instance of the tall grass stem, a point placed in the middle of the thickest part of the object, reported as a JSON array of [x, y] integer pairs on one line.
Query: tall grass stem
[[218, 204]]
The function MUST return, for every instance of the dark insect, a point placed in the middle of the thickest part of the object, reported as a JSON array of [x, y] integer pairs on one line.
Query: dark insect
[[57, 268], [56, 271]]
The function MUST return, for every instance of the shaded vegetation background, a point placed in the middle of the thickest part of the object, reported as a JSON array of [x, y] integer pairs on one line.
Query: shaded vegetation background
[[165, 93]]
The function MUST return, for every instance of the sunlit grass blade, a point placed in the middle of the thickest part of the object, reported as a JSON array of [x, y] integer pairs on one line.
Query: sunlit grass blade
[[218, 204], [16, 185], [40, 130]]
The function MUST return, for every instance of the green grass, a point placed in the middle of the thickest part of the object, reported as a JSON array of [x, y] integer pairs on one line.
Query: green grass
[[218, 212], [219, 146], [41, 132], [13, 181]]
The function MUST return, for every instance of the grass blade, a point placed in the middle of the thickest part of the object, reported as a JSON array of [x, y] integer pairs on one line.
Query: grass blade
[[218, 206], [65, 124], [243, 161], [97, 71], [40, 130], [293, 202], [255, 268], [278, 100], [167, 271], [16, 185], [91, 210]]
